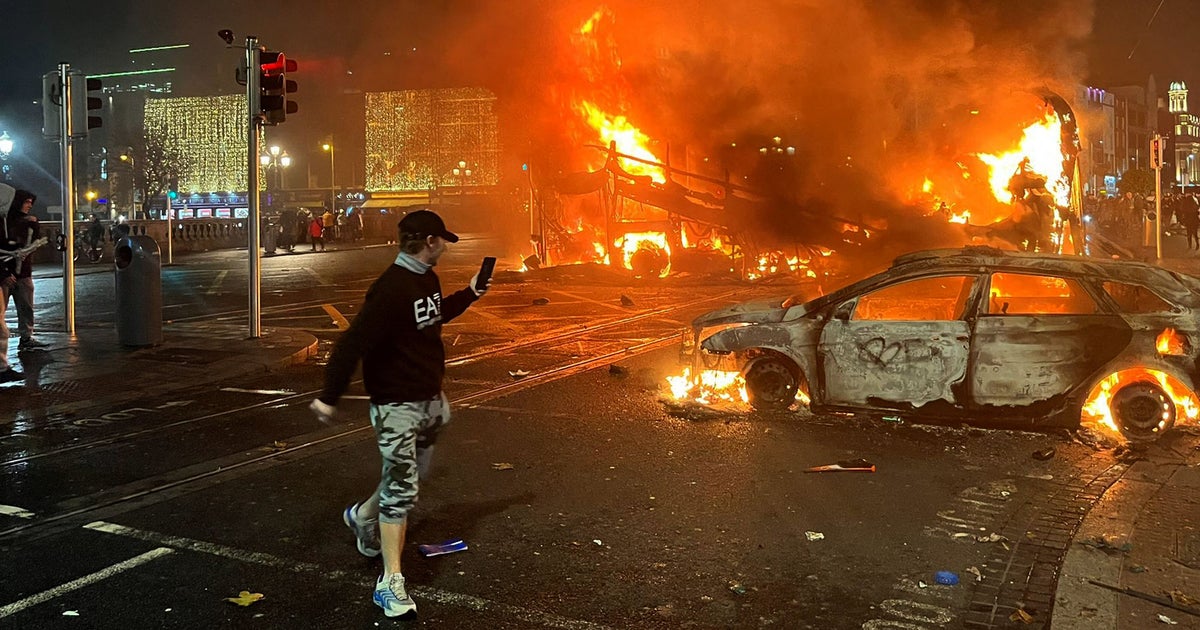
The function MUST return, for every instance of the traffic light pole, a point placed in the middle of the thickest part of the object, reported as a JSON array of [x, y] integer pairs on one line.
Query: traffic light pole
[[67, 154], [252, 221]]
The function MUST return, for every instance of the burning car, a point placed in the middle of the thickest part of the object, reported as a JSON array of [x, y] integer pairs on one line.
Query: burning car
[[977, 334]]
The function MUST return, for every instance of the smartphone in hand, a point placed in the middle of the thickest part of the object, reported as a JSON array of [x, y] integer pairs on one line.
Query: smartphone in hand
[[485, 273]]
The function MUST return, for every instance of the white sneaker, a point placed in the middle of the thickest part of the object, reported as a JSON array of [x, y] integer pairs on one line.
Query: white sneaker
[[391, 596]]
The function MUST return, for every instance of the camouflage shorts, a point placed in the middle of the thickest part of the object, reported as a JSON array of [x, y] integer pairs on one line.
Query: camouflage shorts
[[406, 433]]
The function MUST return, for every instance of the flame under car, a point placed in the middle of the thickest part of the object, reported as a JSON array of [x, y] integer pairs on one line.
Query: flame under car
[[980, 335]]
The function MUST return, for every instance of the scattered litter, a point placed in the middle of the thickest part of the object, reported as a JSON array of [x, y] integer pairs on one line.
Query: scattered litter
[[626, 300], [1022, 616], [892, 419], [518, 374], [961, 535], [1137, 568], [245, 598], [948, 578], [1044, 454], [811, 536], [851, 465], [737, 588], [1179, 597], [70, 613], [450, 546], [1107, 543], [1167, 620], [974, 571], [502, 466], [541, 301], [922, 584], [596, 541], [991, 538], [618, 370]]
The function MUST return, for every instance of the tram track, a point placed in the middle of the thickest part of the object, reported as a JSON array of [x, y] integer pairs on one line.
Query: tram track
[[548, 339], [313, 444]]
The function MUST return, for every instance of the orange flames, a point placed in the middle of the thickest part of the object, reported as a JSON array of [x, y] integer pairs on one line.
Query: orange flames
[[1170, 342], [618, 131], [1041, 144], [709, 386], [655, 242], [1097, 410]]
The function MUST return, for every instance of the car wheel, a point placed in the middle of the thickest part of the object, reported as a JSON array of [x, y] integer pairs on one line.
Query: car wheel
[[1142, 411], [771, 383]]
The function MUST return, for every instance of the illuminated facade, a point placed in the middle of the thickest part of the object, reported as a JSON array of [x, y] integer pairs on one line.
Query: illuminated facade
[[208, 133], [1187, 136], [419, 140]]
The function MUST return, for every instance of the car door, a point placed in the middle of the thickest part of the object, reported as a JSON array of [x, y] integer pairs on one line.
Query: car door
[[1037, 336], [906, 343]]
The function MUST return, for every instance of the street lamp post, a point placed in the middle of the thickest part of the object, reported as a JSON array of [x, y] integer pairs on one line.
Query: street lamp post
[[328, 146]]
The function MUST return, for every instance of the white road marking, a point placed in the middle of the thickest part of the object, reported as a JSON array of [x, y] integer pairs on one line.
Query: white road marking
[[216, 283], [337, 317], [268, 392], [421, 592], [12, 510], [102, 574]]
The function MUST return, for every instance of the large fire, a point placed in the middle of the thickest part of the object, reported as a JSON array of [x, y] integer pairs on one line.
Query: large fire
[[1041, 144], [617, 131]]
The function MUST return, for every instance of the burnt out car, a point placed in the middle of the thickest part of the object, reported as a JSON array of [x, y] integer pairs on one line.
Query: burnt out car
[[979, 335]]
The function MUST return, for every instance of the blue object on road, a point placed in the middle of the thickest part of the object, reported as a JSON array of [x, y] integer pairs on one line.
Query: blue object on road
[[946, 577], [450, 546]]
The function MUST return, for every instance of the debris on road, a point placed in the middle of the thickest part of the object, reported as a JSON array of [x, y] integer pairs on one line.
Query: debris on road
[[518, 374], [737, 588], [1137, 568], [947, 578], [450, 546], [541, 301], [1179, 597], [618, 370], [502, 466], [1021, 615], [896, 419], [812, 536], [1108, 544], [991, 538], [1044, 454], [626, 300], [245, 598], [1167, 620], [974, 571], [852, 465], [70, 613], [597, 542]]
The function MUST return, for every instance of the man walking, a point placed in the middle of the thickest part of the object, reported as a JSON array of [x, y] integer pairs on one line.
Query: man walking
[[398, 337], [22, 229]]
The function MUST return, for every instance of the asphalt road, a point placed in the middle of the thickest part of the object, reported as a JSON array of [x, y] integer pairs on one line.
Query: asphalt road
[[585, 502]]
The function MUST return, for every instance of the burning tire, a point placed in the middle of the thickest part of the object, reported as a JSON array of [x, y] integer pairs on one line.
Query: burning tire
[[771, 382], [1142, 411]]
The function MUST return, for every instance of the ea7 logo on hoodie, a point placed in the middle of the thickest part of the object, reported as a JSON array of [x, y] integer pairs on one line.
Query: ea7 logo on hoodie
[[428, 310]]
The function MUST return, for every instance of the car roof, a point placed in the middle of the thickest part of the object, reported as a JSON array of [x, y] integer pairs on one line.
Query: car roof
[[1179, 288]]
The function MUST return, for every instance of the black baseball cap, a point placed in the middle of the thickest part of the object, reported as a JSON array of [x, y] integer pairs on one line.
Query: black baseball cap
[[424, 223]]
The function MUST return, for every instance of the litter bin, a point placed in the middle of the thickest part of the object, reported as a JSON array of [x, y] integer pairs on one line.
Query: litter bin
[[139, 291]]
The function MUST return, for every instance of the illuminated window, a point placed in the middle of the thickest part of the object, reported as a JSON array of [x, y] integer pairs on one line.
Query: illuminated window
[[941, 298], [1024, 294], [1133, 298]]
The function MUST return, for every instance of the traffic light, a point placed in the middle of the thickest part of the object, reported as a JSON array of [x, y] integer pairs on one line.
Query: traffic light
[[83, 103], [51, 106], [274, 86], [1156, 152], [173, 188]]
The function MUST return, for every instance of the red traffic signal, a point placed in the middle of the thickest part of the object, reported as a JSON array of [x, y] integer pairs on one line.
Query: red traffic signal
[[274, 87]]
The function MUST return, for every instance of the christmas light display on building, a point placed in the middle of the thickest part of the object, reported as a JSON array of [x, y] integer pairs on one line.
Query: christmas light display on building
[[418, 140], [207, 134]]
